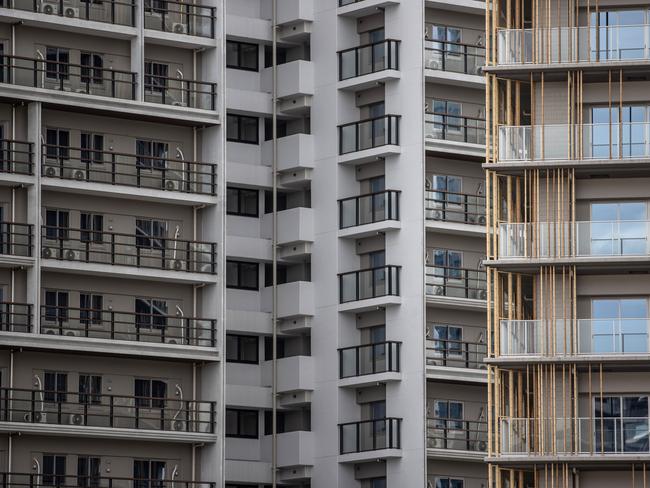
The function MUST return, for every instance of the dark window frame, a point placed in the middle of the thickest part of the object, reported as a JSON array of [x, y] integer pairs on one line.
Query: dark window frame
[[238, 423], [240, 58], [241, 342], [240, 203], [239, 286], [239, 138]]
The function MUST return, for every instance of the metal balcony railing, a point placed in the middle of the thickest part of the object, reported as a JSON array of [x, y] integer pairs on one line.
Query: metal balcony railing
[[370, 435], [369, 133], [454, 56], [16, 157], [369, 208], [456, 354], [15, 317], [67, 77], [128, 326], [579, 239], [36, 480], [368, 58], [457, 434], [180, 92], [369, 283], [89, 409], [379, 357], [454, 207], [610, 337], [586, 44], [457, 128], [119, 12], [16, 239], [181, 18], [87, 165], [343, 3], [142, 251], [563, 142], [456, 282]]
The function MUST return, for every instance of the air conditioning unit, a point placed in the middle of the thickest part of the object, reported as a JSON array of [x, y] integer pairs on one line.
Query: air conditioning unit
[[72, 333], [433, 65], [173, 185], [481, 295], [71, 12], [434, 214], [49, 331], [38, 418], [172, 340], [79, 174], [49, 8], [47, 252], [52, 171], [72, 255], [481, 219], [76, 419], [178, 425], [176, 264], [438, 290], [179, 28], [479, 445], [435, 443]]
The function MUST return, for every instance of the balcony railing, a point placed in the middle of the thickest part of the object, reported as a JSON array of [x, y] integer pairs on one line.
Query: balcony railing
[[16, 239], [35, 480], [370, 435], [180, 92], [128, 326], [369, 208], [119, 12], [457, 435], [380, 357], [456, 354], [369, 58], [68, 77], [16, 157], [607, 337], [456, 282], [454, 207], [369, 133], [579, 239], [563, 142], [457, 128], [15, 317], [453, 56], [142, 251], [181, 18], [369, 283], [586, 435], [343, 3], [113, 168], [588, 44], [113, 411]]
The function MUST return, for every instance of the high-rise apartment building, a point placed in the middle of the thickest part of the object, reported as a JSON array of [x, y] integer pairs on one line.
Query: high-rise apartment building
[[567, 191]]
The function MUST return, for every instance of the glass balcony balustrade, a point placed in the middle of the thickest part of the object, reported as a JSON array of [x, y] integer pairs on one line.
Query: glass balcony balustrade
[[370, 435]]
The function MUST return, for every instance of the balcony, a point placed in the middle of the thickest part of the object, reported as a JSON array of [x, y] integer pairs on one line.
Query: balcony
[[448, 133], [44, 410], [564, 142], [457, 58], [295, 448], [369, 139], [295, 374], [35, 480], [295, 299], [446, 286], [181, 18], [374, 287], [16, 157], [368, 214], [171, 175], [573, 45], [16, 240], [77, 248], [15, 317], [180, 92], [364, 66], [369, 363], [115, 12], [370, 437], [456, 438], [360, 8], [453, 212], [456, 354]]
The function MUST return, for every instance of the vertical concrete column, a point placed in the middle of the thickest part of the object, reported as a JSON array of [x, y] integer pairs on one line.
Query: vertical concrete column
[[34, 124]]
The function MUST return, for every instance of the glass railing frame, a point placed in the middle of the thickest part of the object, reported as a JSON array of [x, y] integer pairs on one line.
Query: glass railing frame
[[392, 282], [465, 54], [465, 128], [391, 425], [391, 46], [447, 283], [391, 133], [391, 211], [391, 353], [447, 207]]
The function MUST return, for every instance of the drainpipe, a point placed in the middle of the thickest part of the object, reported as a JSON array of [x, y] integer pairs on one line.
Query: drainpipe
[[274, 244]]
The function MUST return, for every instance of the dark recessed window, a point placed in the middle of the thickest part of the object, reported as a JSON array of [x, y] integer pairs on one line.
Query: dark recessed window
[[242, 423], [243, 202], [242, 55], [241, 128], [242, 275], [242, 349]]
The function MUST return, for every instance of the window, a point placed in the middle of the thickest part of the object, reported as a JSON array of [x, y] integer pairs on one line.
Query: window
[[604, 140], [242, 275], [92, 226], [57, 223], [148, 473], [281, 55], [150, 313], [618, 228], [611, 42], [242, 423], [92, 65], [56, 306], [242, 349], [150, 393], [268, 201], [88, 473], [268, 274], [90, 389], [377, 483], [243, 202], [376, 110], [92, 148], [447, 340], [241, 128], [90, 308], [268, 422], [449, 483], [150, 233], [58, 144], [268, 348], [56, 67], [621, 423], [155, 6], [619, 325], [242, 55], [55, 386], [151, 154], [282, 127], [155, 77], [447, 414], [53, 470], [447, 263]]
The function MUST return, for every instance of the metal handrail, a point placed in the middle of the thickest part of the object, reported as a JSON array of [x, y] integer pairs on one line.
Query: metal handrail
[[89, 13], [186, 11], [472, 129], [456, 353], [468, 67], [16, 239], [470, 209], [159, 89], [35, 480], [386, 353], [387, 134], [456, 282], [384, 433], [15, 316], [353, 63], [16, 157], [388, 285], [389, 211], [457, 434]]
